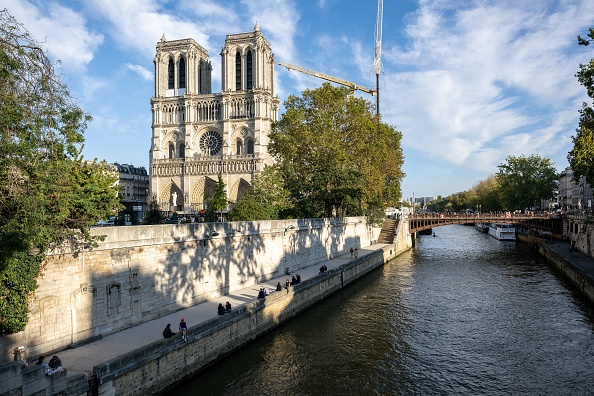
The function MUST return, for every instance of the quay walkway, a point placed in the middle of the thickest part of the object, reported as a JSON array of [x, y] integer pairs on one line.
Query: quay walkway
[[82, 359]]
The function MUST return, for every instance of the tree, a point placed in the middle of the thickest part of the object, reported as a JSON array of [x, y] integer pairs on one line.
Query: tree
[[153, 215], [524, 181], [335, 156], [265, 200], [49, 195], [580, 157], [219, 200]]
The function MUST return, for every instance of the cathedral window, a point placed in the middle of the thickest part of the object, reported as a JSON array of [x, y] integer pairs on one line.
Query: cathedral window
[[211, 143], [182, 151], [238, 71], [249, 70], [170, 75], [238, 147], [250, 146], [171, 150], [182, 73]]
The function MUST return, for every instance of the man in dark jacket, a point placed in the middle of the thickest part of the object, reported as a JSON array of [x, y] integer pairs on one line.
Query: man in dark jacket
[[167, 333]]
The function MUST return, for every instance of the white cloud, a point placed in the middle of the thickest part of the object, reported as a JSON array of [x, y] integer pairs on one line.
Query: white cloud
[[141, 71], [487, 79], [61, 30]]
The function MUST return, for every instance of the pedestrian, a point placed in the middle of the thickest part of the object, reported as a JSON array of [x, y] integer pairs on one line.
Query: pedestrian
[[287, 284], [167, 333], [228, 307], [261, 293], [293, 281], [183, 327], [279, 287], [356, 253], [352, 251], [40, 362], [55, 365], [221, 309], [298, 277]]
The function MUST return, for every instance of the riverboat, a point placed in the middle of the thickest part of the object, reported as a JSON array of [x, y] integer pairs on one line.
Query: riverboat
[[502, 231], [482, 227]]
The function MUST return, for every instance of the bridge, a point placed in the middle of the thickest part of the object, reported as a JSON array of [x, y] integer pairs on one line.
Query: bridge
[[426, 221]]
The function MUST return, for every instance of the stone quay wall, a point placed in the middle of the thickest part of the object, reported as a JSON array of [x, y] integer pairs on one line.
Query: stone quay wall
[[164, 363], [144, 272], [21, 381]]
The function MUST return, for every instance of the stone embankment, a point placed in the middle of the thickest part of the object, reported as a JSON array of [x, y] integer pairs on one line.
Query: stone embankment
[[136, 360], [575, 266]]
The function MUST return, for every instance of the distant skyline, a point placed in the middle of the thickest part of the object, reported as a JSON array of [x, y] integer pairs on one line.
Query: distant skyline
[[466, 82]]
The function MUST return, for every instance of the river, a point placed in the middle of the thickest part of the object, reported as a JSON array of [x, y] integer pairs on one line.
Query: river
[[461, 314]]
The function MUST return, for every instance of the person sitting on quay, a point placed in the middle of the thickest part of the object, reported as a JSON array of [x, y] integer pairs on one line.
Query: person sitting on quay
[[293, 281], [261, 293], [266, 292], [183, 327], [228, 307], [298, 277], [43, 364], [323, 268], [55, 365], [167, 333], [221, 309], [279, 287]]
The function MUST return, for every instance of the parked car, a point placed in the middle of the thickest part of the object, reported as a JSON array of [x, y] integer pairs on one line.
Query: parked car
[[102, 223]]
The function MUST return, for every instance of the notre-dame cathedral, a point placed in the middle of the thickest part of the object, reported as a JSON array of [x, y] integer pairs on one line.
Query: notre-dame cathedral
[[199, 135]]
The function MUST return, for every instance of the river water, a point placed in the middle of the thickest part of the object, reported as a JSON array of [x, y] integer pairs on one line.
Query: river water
[[461, 314]]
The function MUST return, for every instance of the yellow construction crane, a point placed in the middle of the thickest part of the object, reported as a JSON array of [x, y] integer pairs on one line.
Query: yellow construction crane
[[352, 86]]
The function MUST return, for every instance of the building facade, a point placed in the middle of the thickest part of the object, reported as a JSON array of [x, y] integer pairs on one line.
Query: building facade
[[199, 136], [574, 195], [133, 183]]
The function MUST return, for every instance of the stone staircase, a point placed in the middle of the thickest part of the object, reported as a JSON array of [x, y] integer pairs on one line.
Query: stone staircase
[[388, 232]]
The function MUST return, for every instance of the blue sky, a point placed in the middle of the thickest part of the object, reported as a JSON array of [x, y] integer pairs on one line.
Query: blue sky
[[467, 82]]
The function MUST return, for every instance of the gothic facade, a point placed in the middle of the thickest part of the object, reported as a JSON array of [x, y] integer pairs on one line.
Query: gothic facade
[[199, 135]]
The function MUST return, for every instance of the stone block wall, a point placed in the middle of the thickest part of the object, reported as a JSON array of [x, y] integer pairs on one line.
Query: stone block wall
[[140, 273]]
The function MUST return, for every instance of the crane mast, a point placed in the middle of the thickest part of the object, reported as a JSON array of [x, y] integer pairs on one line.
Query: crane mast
[[352, 86], [377, 62]]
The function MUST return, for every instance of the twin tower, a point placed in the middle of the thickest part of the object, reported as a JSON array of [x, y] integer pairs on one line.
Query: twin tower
[[199, 135]]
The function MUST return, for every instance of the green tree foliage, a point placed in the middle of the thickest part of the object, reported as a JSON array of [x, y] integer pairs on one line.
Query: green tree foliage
[[48, 194], [581, 156], [153, 214], [265, 200], [524, 181], [335, 156], [218, 202]]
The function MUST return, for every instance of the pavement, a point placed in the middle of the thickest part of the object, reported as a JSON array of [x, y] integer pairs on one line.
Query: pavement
[[82, 358]]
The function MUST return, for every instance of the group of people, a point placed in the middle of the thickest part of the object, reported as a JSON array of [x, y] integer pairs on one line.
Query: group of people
[[183, 329], [223, 310], [323, 269], [354, 252], [54, 365], [264, 291], [295, 279]]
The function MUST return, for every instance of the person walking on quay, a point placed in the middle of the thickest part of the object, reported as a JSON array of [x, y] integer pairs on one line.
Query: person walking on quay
[[356, 253], [287, 284], [183, 327], [352, 251]]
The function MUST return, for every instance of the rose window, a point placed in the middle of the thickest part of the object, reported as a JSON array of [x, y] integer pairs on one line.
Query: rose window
[[211, 143]]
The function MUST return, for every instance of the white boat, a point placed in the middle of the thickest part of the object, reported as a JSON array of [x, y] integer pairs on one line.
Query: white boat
[[502, 231], [482, 227]]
